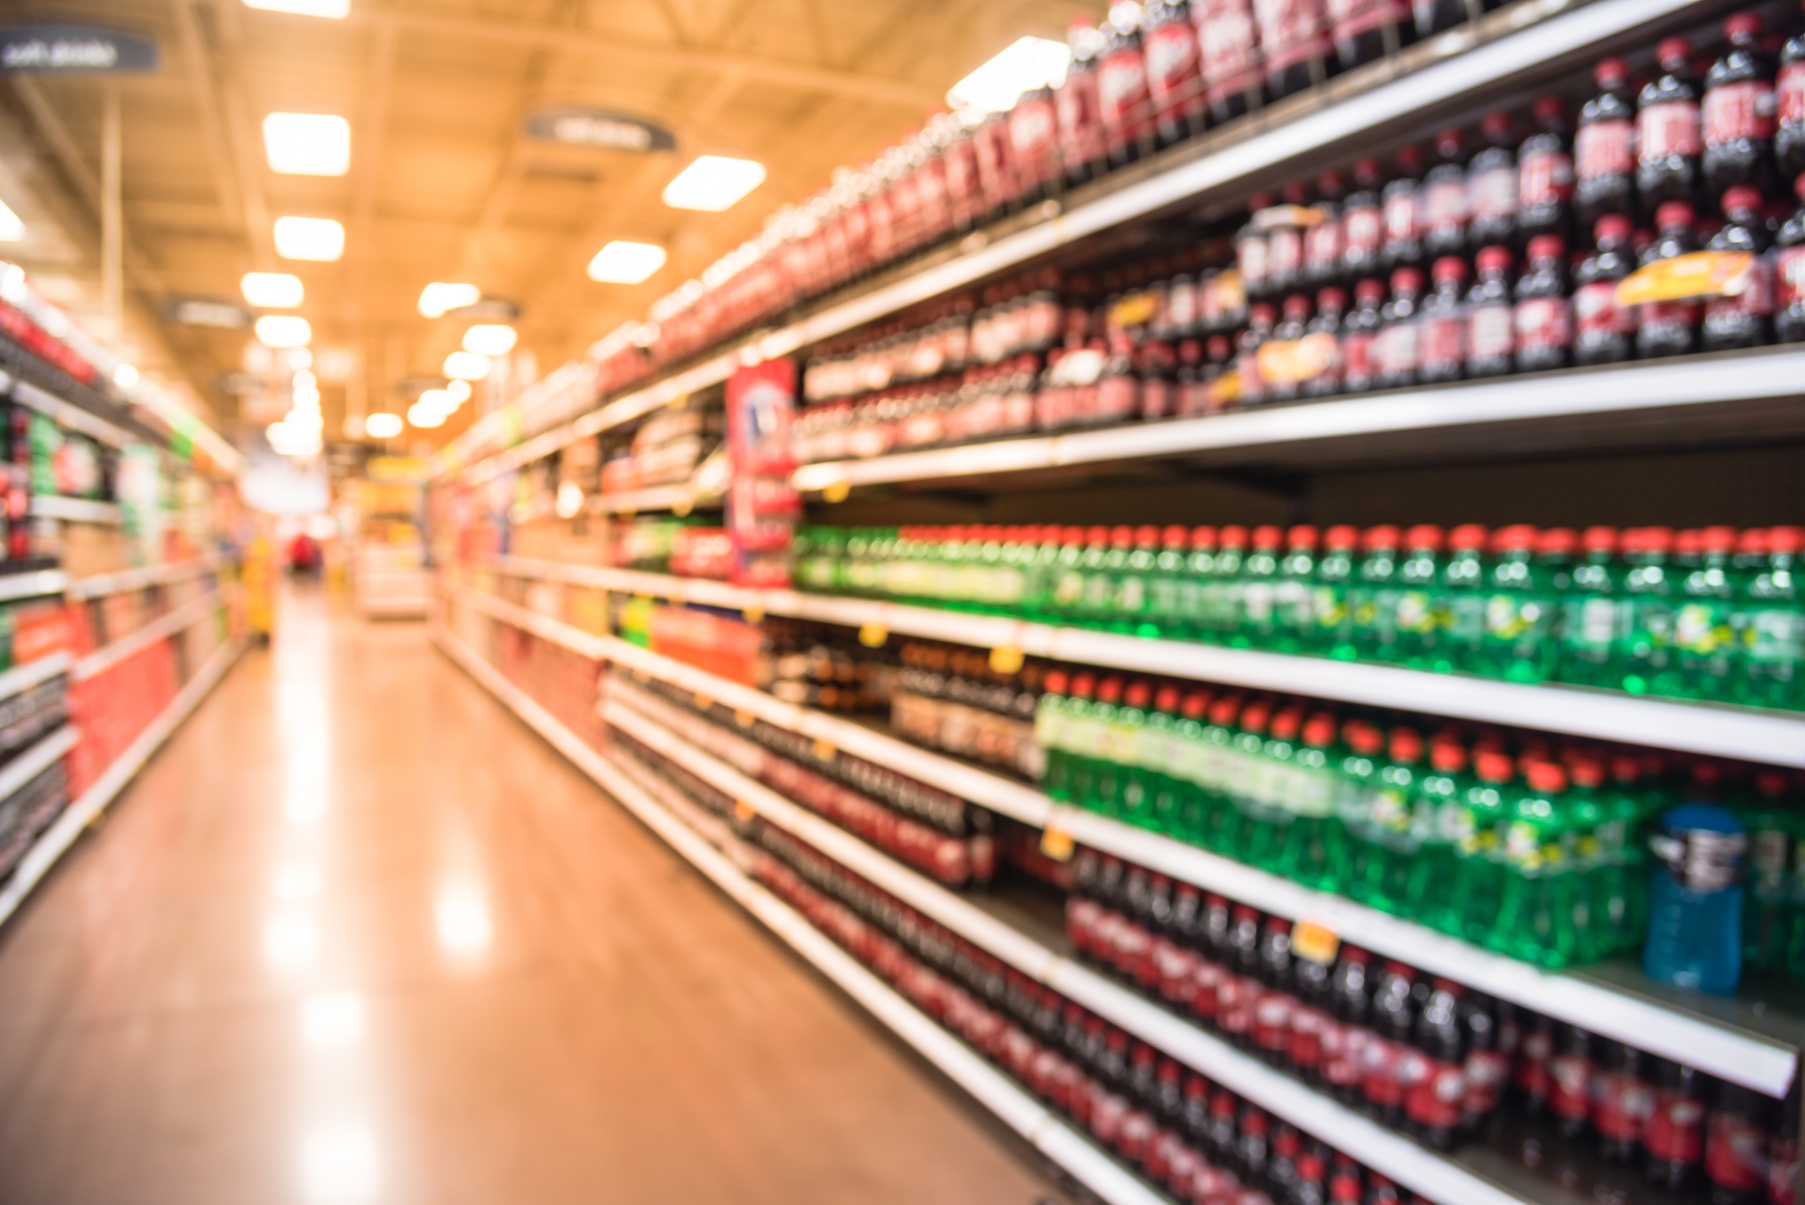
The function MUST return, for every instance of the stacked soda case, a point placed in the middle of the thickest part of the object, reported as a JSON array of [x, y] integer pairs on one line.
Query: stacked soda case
[[1422, 1053], [936, 833], [1713, 614]]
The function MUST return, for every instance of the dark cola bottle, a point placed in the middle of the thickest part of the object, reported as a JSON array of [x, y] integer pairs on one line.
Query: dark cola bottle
[[1168, 1103], [1309, 1185], [1253, 250], [1545, 173], [1359, 349], [1194, 1122], [1281, 1166], [1744, 319], [1402, 200], [1294, 318], [1493, 189], [1350, 1008], [1674, 1138], [1285, 241], [1531, 1080], [1294, 38], [1174, 72], [1364, 30], [1738, 111], [1325, 329], [1621, 1100], [1491, 316], [1220, 1144], [1363, 222], [1669, 141], [1323, 243], [1122, 86], [1604, 331], [1447, 206], [1604, 149], [1383, 1062], [1442, 345], [1399, 345], [1789, 275], [1544, 314], [1570, 1083], [1082, 146], [1789, 108], [1433, 16], [1253, 1146], [1487, 1064], [1435, 1102], [1669, 328], [1310, 1018], [1736, 1142]]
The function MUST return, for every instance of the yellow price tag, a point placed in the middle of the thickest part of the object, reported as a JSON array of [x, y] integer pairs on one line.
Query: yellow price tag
[[753, 613], [704, 702], [628, 515], [742, 810], [836, 491], [824, 750], [682, 507], [1057, 844], [744, 718], [1006, 659], [873, 635], [1314, 942]]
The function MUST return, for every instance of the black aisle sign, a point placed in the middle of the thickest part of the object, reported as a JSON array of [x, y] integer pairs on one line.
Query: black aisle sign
[[71, 48], [578, 126]]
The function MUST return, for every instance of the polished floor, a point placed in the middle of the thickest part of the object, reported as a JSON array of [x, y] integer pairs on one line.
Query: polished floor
[[357, 937]]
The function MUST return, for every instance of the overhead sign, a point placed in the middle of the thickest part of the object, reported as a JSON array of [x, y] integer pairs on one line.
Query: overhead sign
[[578, 126], [206, 311], [73, 48]]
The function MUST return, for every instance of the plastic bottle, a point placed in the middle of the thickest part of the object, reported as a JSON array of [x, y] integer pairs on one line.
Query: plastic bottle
[[1477, 889], [1491, 340], [1493, 187], [1771, 608], [1604, 331], [1537, 841], [1131, 609], [1645, 633], [1314, 851], [1433, 16], [1399, 342], [1668, 138], [1462, 601], [1221, 595], [1746, 319], [1604, 149], [1350, 1003], [1773, 830], [1331, 307], [1122, 93], [1543, 318], [1736, 1144], [1545, 173], [1695, 910], [1106, 775], [1268, 794], [1261, 319], [1211, 771], [1524, 587], [1738, 111], [1372, 597], [1438, 820], [1293, 322], [1435, 1102], [1364, 30], [1230, 39], [1360, 336], [1674, 1139], [1387, 843], [1706, 634], [1259, 621], [1324, 252], [1447, 200], [1595, 617], [1294, 38], [1419, 610], [1570, 1074], [1330, 595], [1082, 146], [1789, 108], [1392, 1017], [1669, 328], [1199, 568], [1285, 241], [1402, 202], [1174, 72], [1363, 222], [1789, 261]]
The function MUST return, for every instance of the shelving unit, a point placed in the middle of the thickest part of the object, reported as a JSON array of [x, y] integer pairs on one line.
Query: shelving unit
[[99, 585], [24, 677], [74, 510], [38, 583], [103, 659], [679, 498]]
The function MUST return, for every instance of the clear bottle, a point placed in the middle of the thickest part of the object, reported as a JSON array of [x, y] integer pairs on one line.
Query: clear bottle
[[1491, 340], [1669, 328], [1538, 849], [1746, 319], [1439, 810], [1315, 847], [1294, 623], [1199, 568], [1049, 734], [1387, 845], [1669, 140], [1738, 111], [1604, 149], [1477, 889], [1544, 312], [1222, 590]]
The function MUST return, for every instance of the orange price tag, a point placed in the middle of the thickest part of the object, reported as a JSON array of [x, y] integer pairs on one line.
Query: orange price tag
[[824, 750], [744, 718], [1057, 844], [872, 635], [743, 811], [1006, 658], [836, 491], [1315, 942], [704, 702], [753, 612]]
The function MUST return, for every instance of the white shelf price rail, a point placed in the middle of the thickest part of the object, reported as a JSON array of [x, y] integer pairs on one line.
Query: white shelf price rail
[[1016, 1108], [36, 584], [1718, 1047], [138, 579], [21, 678]]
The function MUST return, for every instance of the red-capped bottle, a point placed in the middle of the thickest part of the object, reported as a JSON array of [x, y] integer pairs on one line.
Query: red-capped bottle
[[1400, 342], [1745, 319], [1351, 987], [1230, 42], [1669, 140], [1285, 241], [1253, 250], [1493, 186], [1604, 149], [1604, 332], [1738, 111], [1531, 1079], [1294, 319], [1294, 37], [1393, 1022], [1081, 142], [1323, 243], [1570, 1081], [1402, 199], [1363, 222], [1491, 316], [1174, 72], [1789, 274], [1442, 349], [1331, 308], [1260, 322], [1789, 108], [1364, 30], [1669, 328], [1622, 1101], [1736, 1143], [1675, 1135], [1122, 85], [1360, 365], [1034, 144], [1544, 313], [1545, 173], [1436, 1094], [1447, 203]]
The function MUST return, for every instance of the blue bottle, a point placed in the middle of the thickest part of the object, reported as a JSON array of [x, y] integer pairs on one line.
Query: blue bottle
[[1695, 899]]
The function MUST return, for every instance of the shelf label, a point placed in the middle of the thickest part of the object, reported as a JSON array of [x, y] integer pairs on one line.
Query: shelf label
[[837, 490], [873, 635], [824, 750], [744, 718], [1056, 843], [1006, 658], [1314, 941], [743, 811], [704, 702], [753, 612]]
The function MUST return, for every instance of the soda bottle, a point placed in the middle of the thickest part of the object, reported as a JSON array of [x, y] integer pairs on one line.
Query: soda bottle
[[1493, 188], [1545, 173], [1604, 149], [1531, 1079], [1199, 567], [1253, 253], [1189, 750], [1081, 141], [1646, 653], [1477, 888], [1669, 141], [1174, 66], [1419, 609], [1034, 144], [1132, 610], [1783, 1154], [1079, 738], [1363, 222], [1350, 1004], [1623, 1105], [1272, 1012], [1436, 1100], [1706, 632], [1743, 320], [1789, 262], [1122, 95], [1291, 328], [1221, 596], [1323, 249], [1590, 886], [1103, 775], [1127, 794], [1364, 30], [1446, 198], [1261, 319], [1535, 920], [1330, 614], [1315, 844], [1258, 625], [1213, 772], [1331, 305], [1543, 318], [1308, 1186], [1165, 585], [1294, 38], [1490, 1049], [1736, 1143], [1570, 1074], [1442, 346], [1674, 1138], [1361, 334], [1294, 622], [1605, 330], [1738, 111], [1524, 589], [1402, 203], [1285, 241], [1392, 1017], [1462, 605], [1245, 781], [1398, 347], [1433, 16], [1789, 109], [1695, 905], [1049, 734], [1231, 55], [1669, 328], [1439, 809], [1372, 597], [1772, 831], [1772, 610], [1491, 317], [1388, 839]]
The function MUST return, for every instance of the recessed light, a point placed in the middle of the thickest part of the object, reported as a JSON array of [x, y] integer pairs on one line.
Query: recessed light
[[441, 297], [382, 425], [319, 239], [490, 339], [458, 391], [303, 8], [307, 144], [467, 366], [626, 263], [283, 330], [424, 415], [272, 290], [713, 183]]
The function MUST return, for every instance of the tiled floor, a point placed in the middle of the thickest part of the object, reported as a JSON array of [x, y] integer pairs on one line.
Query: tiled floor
[[357, 937]]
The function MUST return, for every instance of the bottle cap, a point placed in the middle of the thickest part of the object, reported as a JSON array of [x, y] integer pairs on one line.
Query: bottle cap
[[1407, 280], [1410, 160], [1196, 705], [1615, 227], [1518, 537], [1203, 538], [1255, 715], [1449, 141], [1495, 125], [1266, 536], [1233, 536], [1718, 539], [1071, 535], [1332, 299], [1259, 201], [1297, 192], [1610, 73], [1785, 540], [1448, 757], [1301, 536], [1224, 710], [1493, 767], [1742, 26], [1262, 314], [1109, 690], [1138, 695], [1330, 184], [1285, 724], [1146, 536], [1406, 746], [1371, 292], [1121, 537], [1362, 737], [1055, 682], [1166, 699], [1550, 109], [1096, 537], [1490, 259], [1547, 246], [1686, 543], [1084, 684], [1319, 733], [1672, 53], [1449, 267], [1546, 778], [1752, 542], [1297, 307], [1368, 172], [1557, 541], [1467, 537], [1424, 535], [1385, 535], [1587, 772], [1175, 537], [1342, 536], [1741, 200], [1600, 539]]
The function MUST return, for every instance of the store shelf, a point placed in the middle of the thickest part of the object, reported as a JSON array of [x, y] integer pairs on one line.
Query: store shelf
[[1016, 1108], [680, 499], [62, 833], [1771, 737], [1528, 41], [104, 658], [103, 584], [75, 510], [24, 677], [67, 414], [35, 760], [1424, 1171], [35, 584], [1700, 399]]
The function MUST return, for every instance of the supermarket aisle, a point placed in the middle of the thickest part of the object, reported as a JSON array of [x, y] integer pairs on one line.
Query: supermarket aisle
[[356, 936]]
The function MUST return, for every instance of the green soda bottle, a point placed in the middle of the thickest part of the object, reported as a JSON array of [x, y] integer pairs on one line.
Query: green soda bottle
[[1420, 611], [1215, 774], [1258, 626], [1199, 569], [1190, 750], [1244, 778], [1108, 774], [858, 572], [1631, 806], [900, 566], [1131, 610], [1705, 638], [1373, 597], [1294, 621], [1529, 575], [1360, 766], [1773, 830], [1065, 590], [1477, 890], [1037, 590], [1268, 791], [1159, 753], [1165, 588], [1537, 847], [1440, 808], [1646, 662], [1331, 593], [1315, 849], [1095, 577], [1222, 588], [1049, 734], [1127, 749], [1079, 738], [1772, 609], [1384, 852], [1460, 611], [1584, 893], [964, 576], [1594, 613]]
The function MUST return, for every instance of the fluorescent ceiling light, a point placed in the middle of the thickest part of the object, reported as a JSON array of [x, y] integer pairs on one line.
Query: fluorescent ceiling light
[[309, 238], [272, 290], [439, 399], [382, 425], [303, 8], [712, 183], [125, 376], [1026, 63], [283, 330], [626, 263], [11, 228], [467, 366], [458, 391], [307, 144], [420, 414], [439, 298], [490, 339]]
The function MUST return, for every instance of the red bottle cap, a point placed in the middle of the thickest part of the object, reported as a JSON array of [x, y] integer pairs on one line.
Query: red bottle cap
[[1301, 536], [1071, 535], [1255, 716], [1368, 172], [1687, 543], [1752, 542], [1262, 315], [1203, 538], [1342, 536], [1495, 125], [1447, 757], [1557, 541], [1385, 535], [1614, 227], [1448, 142], [1233, 536], [1109, 690], [1055, 682], [1259, 201], [1332, 299], [1138, 695], [1742, 26], [1610, 73], [1600, 539], [1493, 767], [1372, 292], [1672, 53], [1424, 535], [1741, 200], [1362, 737], [1084, 684], [1319, 733], [1166, 699], [1466, 537], [1297, 192], [1121, 537], [1285, 724], [1673, 213], [1175, 537], [1224, 710], [1097, 537], [1196, 705], [1546, 778], [1267, 536], [1410, 160], [1587, 772], [1297, 307], [1518, 537], [1549, 109], [1493, 259], [1785, 540], [1146, 536], [1449, 268], [1406, 746], [1407, 280], [1718, 539], [1330, 183]]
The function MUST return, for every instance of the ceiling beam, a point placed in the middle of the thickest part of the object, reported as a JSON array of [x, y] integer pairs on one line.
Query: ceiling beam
[[223, 80], [206, 102]]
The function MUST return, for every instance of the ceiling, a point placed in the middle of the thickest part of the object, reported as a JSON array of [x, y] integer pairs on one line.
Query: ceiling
[[443, 183]]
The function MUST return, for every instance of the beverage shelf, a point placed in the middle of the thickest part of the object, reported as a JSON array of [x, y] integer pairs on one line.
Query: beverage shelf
[[1743, 1040], [33, 584], [1527, 42], [138, 579], [1047, 1131], [23, 677], [75, 510], [66, 828], [1772, 737], [1739, 395], [104, 658], [35, 760], [679, 498]]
